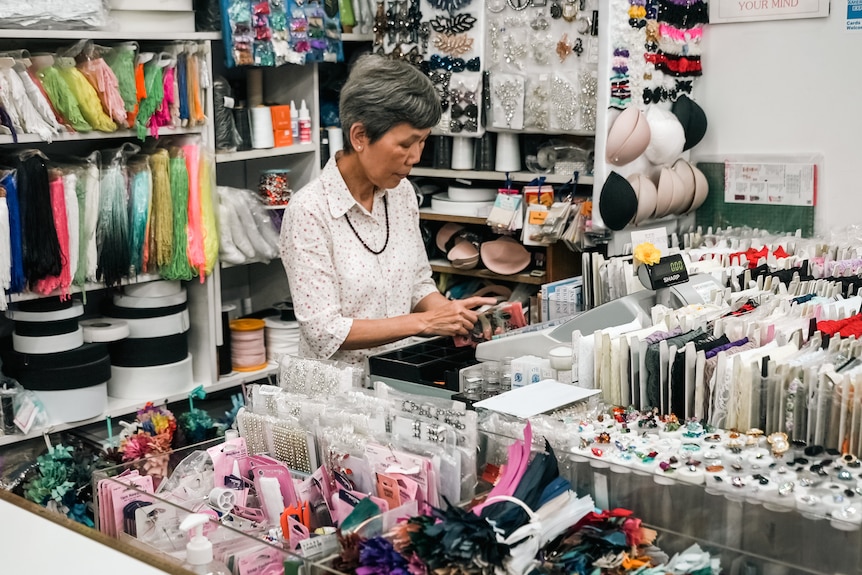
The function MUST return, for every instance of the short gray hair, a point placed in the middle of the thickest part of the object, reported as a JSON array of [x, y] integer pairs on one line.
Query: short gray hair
[[381, 93]]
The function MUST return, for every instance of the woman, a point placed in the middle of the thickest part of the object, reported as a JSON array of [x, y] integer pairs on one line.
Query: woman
[[350, 241]]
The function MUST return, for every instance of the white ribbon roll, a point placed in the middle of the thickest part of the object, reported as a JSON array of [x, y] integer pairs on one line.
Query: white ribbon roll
[[150, 302], [150, 382], [159, 326], [104, 330], [72, 405], [48, 343], [77, 310], [158, 288]]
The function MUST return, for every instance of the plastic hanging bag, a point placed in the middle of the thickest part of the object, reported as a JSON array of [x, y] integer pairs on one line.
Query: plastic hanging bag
[[140, 196], [112, 229], [66, 15]]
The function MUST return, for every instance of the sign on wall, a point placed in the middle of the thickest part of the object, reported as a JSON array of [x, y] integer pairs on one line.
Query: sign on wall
[[727, 11]]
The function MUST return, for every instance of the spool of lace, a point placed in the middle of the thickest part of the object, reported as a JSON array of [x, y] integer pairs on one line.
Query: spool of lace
[[282, 338], [243, 127], [248, 347]]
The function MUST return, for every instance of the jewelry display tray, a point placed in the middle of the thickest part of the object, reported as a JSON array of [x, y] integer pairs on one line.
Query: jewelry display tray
[[434, 363]]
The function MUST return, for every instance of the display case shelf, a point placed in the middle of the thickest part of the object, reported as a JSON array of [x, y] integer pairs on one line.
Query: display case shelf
[[223, 157], [119, 407], [521, 177]]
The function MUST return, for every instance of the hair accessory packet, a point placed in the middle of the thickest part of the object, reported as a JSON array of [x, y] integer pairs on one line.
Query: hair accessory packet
[[496, 320], [506, 215]]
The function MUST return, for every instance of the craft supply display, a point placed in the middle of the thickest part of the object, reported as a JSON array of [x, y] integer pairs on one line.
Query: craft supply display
[[86, 87], [655, 63], [108, 217], [543, 64], [271, 33]]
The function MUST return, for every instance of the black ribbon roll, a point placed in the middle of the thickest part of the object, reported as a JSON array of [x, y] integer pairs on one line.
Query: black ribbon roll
[[149, 351], [46, 328], [117, 312], [45, 304], [86, 366]]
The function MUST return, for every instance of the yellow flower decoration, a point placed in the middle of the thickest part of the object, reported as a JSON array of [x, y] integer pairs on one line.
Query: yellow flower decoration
[[647, 253]]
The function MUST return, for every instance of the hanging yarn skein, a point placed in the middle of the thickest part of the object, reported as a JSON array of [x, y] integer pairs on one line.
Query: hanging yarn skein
[[87, 97], [179, 268], [103, 79], [17, 280], [63, 99], [112, 230], [121, 59], [210, 224], [155, 94], [88, 213], [73, 220], [5, 250], [162, 212], [62, 280], [195, 230], [139, 209], [41, 248]]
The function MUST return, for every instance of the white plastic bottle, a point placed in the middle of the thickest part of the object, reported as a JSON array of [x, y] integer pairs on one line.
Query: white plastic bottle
[[199, 550], [304, 124], [294, 121]]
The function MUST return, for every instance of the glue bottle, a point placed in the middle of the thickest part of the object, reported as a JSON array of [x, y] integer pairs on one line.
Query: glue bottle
[[304, 124], [294, 121], [199, 550]]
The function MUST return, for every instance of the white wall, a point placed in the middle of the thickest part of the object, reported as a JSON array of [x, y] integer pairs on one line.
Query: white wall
[[789, 86]]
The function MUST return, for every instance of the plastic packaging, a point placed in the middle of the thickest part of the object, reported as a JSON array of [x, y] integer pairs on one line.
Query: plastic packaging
[[199, 550], [294, 120], [227, 136], [304, 124]]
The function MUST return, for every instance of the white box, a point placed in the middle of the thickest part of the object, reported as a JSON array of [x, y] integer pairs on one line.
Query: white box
[[153, 5], [147, 21]]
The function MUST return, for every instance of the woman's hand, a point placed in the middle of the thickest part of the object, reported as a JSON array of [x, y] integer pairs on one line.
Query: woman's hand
[[455, 317]]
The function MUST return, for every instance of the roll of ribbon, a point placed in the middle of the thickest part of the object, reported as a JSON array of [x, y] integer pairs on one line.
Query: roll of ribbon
[[29, 313], [150, 302], [48, 344], [149, 351], [104, 330], [248, 349], [222, 499], [43, 328], [336, 140], [261, 128], [282, 338], [111, 310], [64, 370], [149, 382], [159, 288], [159, 326], [74, 404]]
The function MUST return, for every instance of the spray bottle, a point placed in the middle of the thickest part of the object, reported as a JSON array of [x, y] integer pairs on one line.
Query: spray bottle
[[199, 550], [304, 124]]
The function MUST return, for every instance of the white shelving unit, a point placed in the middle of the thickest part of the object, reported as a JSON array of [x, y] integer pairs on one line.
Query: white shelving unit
[[224, 157], [120, 407], [95, 135], [27, 34]]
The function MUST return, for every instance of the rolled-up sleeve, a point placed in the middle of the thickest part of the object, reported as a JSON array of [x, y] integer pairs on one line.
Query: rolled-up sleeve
[[306, 252]]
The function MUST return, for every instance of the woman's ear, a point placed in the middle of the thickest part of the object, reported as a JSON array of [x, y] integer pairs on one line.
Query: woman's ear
[[358, 137]]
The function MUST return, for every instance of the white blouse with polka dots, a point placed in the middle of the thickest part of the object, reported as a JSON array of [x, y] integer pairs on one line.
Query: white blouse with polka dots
[[334, 279]]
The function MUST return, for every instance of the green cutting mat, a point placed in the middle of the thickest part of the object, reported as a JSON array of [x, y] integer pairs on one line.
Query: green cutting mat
[[716, 213]]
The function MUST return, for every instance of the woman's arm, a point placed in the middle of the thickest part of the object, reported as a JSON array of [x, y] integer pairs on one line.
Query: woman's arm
[[433, 315]]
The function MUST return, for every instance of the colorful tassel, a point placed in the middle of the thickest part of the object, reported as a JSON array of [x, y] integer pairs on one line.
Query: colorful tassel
[[149, 105], [5, 251], [210, 223], [73, 221], [122, 61], [62, 98], [139, 208], [62, 280], [17, 281], [88, 211], [162, 213], [112, 230], [197, 257], [103, 79], [179, 268], [88, 99]]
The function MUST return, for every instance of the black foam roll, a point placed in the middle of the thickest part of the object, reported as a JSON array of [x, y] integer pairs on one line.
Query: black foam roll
[[117, 312], [15, 361], [67, 378], [45, 304], [149, 351], [46, 328]]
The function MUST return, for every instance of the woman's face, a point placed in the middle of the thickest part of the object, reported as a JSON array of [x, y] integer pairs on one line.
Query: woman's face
[[389, 160]]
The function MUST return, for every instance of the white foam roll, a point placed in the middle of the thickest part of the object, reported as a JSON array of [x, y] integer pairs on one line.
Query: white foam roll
[[158, 288], [275, 322], [48, 343], [151, 382], [150, 302], [104, 330], [462, 153], [336, 140], [72, 405], [262, 135], [159, 326], [77, 310]]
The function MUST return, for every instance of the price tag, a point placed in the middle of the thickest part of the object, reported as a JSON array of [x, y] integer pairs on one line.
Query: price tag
[[320, 546], [537, 217], [229, 102]]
